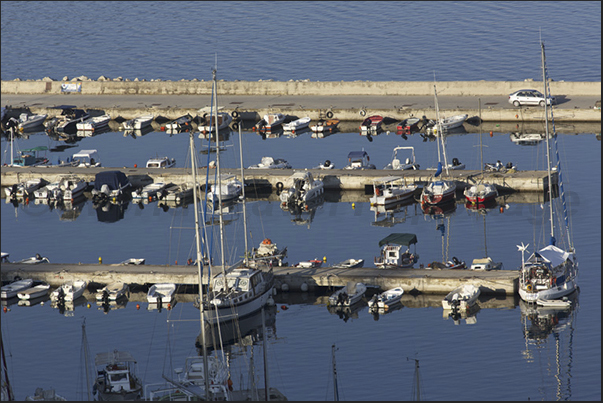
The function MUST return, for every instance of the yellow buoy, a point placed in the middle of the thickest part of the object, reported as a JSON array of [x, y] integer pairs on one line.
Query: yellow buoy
[[100, 260]]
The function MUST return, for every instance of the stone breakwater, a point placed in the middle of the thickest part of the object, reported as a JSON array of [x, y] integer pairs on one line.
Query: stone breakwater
[[120, 86]]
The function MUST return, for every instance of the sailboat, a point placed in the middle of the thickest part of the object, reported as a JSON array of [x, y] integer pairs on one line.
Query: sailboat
[[550, 273], [238, 290], [439, 191]]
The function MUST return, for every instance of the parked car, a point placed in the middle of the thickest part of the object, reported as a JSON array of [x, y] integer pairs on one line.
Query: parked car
[[529, 97]]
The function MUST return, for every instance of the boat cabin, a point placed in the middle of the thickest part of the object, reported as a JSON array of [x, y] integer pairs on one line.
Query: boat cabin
[[395, 251], [30, 157], [161, 162], [359, 160], [86, 158], [240, 279], [484, 264]]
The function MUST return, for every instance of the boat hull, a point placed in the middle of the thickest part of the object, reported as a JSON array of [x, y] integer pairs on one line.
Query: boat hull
[[226, 313]]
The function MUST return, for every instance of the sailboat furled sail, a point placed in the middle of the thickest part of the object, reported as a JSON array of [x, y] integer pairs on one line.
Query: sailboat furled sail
[[550, 273]]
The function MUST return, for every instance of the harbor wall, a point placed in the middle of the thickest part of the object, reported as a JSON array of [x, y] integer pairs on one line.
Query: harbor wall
[[295, 88]]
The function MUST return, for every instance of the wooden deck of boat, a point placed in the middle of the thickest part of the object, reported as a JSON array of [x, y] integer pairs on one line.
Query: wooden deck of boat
[[335, 179], [428, 281]]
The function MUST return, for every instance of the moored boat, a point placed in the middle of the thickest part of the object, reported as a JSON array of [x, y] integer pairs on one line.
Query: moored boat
[[386, 299], [390, 190], [117, 377], [10, 290], [161, 293], [94, 123], [348, 295], [161, 162], [69, 291], [301, 188], [36, 291], [395, 251], [462, 297]]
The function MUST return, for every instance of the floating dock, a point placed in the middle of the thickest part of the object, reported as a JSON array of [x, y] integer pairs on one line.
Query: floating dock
[[288, 278]]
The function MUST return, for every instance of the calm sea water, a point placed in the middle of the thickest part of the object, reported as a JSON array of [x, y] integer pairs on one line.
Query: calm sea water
[[502, 356], [358, 40]]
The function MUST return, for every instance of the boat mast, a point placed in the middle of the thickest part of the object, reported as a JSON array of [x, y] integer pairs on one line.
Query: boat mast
[[548, 149], [265, 345], [219, 184], [199, 268], [245, 258], [440, 134], [335, 387]]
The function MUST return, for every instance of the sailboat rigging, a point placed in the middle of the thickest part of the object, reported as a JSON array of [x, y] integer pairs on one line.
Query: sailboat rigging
[[549, 273]]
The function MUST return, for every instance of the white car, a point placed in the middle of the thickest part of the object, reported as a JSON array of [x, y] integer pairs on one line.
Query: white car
[[529, 97]]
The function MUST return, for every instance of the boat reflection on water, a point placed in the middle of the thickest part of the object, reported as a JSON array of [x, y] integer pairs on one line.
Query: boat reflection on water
[[549, 335], [67, 308], [469, 315], [347, 312], [383, 311], [304, 215], [395, 214], [109, 212], [439, 210], [237, 333], [34, 301], [107, 305]]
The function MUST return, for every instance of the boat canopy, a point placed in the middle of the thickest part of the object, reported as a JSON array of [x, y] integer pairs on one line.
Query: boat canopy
[[552, 254], [86, 154], [399, 239], [113, 179], [357, 154]]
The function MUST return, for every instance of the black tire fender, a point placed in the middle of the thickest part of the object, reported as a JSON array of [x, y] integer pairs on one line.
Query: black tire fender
[[329, 114]]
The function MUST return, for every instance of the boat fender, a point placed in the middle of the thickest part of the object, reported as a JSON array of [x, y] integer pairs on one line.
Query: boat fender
[[329, 114], [529, 287], [235, 114], [362, 112]]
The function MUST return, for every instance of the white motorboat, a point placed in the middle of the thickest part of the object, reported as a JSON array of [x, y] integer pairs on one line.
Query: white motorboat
[[349, 264], [45, 395], [179, 124], [348, 295], [395, 251], [409, 162], [30, 121], [161, 293], [270, 122], [10, 290], [309, 264], [300, 188], [72, 188], [390, 190], [69, 291], [325, 165], [34, 292], [94, 123], [462, 297], [297, 125], [161, 162], [37, 259], [371, 124], [132, 261], [112, 291], [177, 193], [550, 272], [138, 123], [117, 377], [386, 299], [208, 123], [5, 256], [67, 121], [485, 263], [449, 123], [229, 186], [149, 192], [271, 163], [83, 158], [359, 160]]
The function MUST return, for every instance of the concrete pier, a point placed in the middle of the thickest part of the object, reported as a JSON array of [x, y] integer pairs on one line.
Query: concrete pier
[[427, 281], [334, 179]]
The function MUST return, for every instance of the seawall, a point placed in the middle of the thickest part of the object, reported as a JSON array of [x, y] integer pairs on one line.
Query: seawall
[[297, 88]]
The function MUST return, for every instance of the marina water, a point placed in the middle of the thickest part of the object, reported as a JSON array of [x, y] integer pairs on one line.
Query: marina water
[[494, 356]]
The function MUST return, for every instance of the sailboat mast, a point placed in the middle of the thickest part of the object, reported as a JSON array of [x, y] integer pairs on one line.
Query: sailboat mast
[[245, 258], [548, 148], [265, 345], [335, 386], [440, 134], [198, 242], [219, 184]]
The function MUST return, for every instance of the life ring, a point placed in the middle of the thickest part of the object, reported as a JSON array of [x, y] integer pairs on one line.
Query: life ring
[[267, 241], [235, 126], [362, 112], [279, 186], [329, 114], [529, 287], [204, 116], [235, 114]]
